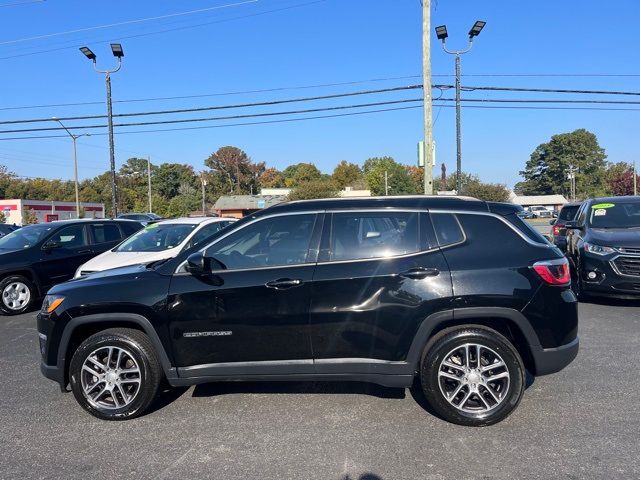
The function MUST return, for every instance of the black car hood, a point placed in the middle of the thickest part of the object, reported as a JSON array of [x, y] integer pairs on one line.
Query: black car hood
[[615, 237]]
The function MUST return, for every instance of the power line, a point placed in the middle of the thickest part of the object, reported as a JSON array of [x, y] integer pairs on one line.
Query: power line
[[544, 90], [127, 22], [157, 32], [219, 94], [223, 107]]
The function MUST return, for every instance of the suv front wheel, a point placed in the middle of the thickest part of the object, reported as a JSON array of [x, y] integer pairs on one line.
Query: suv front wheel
[[115, 374], [18, 293], [472, 376]]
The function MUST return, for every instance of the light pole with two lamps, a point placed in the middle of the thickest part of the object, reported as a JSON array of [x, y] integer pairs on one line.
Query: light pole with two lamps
[[441, 33], [75, 161], [117, 51]]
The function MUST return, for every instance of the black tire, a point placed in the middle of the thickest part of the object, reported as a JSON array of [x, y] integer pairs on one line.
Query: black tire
[[142, 352], [447, 341], [577, 284], [5, 303]]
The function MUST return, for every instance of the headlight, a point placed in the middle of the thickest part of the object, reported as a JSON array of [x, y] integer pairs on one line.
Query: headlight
[[51, 302], [598, 249]]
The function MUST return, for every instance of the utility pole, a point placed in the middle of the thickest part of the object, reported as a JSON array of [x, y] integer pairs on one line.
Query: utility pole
[[441, 33], [75, 161], [204, 184], [426, 91], [117, 51], [149, 181], [386, 183], [572, 179]]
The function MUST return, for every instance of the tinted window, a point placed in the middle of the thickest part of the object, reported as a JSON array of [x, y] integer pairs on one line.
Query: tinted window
[[568, 213], [270, 242], [105, 233], [490, 235], [373, 235], [70, 237], [204, 233], [525, 228], [581, 215], [157, 237], [447, 229]]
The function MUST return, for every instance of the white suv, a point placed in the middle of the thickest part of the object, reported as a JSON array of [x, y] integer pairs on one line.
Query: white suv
[[157, 241], [540, 212]]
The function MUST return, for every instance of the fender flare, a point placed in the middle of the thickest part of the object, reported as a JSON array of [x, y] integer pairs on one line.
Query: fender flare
[[433, 321], [142, 322]]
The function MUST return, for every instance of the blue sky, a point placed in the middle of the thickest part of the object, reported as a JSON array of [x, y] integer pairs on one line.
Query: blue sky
[[305, 43]]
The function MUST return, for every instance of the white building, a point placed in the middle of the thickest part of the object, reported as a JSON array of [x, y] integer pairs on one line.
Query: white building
[[47, 210], [551, 202]]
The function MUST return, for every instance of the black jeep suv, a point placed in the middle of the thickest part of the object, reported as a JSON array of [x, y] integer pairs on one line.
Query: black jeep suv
[[457, 293], [36, 257]]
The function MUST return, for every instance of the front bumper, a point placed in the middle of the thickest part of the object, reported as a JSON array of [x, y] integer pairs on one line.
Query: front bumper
[[52, 372], [609, 281], [552, 360]]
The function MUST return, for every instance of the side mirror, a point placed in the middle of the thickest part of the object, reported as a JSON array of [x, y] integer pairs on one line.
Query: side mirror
[[199, 264], [51, 244], [552, 222]]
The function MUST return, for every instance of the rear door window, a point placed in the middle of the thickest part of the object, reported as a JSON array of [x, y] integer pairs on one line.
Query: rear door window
[[103, 233], [362, 235], [71, 237], [447, 228]]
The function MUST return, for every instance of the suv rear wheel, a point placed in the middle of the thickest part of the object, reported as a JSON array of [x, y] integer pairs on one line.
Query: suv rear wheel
[[115, 374], [18, 293], [472, 376]]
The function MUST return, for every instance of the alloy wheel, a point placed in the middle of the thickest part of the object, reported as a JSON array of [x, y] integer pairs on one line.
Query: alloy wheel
[[110, 378], [16, 295], [473, 378]]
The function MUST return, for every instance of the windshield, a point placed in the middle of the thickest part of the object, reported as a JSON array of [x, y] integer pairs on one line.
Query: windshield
[[157, 237], [615, 215], [25, 237]]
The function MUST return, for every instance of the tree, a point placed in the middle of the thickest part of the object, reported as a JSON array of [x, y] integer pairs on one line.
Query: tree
[[299, 173], [319, 188], [416, 175], [398, 180], [271, 178], [546, 171], [3, 218], [29, 217], [490, 192], [234, 170], [167, 178], [347, 174]]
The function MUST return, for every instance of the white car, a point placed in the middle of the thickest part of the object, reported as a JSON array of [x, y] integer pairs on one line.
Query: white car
[[158, 241], [540, 212]]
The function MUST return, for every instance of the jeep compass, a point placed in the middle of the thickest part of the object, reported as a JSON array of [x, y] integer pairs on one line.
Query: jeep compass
[[457, 295]]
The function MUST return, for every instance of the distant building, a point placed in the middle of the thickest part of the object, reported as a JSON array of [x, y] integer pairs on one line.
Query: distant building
[[350, 192], [552, 202], [47, 210], [239, 206]]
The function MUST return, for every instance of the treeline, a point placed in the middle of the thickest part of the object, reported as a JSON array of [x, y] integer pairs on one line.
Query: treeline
[[177, 188], [546, 171]]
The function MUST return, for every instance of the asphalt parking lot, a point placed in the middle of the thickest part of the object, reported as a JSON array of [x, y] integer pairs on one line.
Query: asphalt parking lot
[[581, 423]]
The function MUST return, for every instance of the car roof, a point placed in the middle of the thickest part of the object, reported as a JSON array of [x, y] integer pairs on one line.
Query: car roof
[[621, 199], [406, 201], [70, 221], [571, 204], [191, 220]]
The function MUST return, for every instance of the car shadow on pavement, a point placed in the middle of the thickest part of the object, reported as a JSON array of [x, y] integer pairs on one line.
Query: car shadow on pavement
[[166, 396], [354, 388], [364, 476]]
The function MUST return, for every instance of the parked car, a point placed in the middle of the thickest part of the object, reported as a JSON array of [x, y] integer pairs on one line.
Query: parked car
[[460, 293], [6, 229], [36, 257], [525, 214], [603, 246], [558, 234], [144, 218], [157, 241], [539, 211]]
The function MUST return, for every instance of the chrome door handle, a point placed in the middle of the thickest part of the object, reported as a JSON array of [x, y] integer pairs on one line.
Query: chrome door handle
[[284, 283], [420, 273]]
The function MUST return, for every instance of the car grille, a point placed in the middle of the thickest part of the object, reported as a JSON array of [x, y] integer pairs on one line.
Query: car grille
[[629, 250], [628, 265]]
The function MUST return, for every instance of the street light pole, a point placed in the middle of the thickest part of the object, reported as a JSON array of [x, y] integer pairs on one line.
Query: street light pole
[[442, 35], [75, 162], [117, 51], [204, 184]]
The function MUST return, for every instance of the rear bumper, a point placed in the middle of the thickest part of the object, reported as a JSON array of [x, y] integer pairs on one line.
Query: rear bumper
[[552, 360]]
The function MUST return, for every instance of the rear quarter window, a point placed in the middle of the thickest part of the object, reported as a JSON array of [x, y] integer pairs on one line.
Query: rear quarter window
[[524, 227]]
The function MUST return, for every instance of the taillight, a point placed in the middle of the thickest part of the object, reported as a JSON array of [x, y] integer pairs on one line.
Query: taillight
[[556, 229], [553, 272]]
